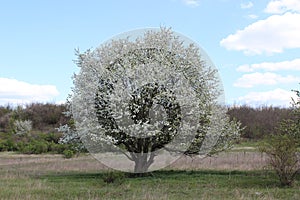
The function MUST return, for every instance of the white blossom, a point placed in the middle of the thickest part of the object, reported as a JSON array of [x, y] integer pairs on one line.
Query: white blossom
[[22, 127], [147, 96]]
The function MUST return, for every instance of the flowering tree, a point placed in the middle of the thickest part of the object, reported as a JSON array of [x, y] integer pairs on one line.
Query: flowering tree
[[22, 127], [149, 98]]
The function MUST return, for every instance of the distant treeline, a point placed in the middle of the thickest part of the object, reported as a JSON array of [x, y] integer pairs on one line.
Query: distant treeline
[[47, 117], [259, 122], [39, 135]]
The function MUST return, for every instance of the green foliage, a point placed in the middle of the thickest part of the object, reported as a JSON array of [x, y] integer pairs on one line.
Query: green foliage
[[39, 145], [35, 147], [68, 153], [51, 137], [7, 145], [282, 152], [113, 177], [7, 142], [36, 144], [282, 148], [291, 128], [57, 148], [42, 138]]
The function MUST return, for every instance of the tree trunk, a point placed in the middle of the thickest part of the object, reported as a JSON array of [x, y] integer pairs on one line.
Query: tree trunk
[[143, 162]]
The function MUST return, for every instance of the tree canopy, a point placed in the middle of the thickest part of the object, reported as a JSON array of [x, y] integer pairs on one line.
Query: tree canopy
[[140, 102]]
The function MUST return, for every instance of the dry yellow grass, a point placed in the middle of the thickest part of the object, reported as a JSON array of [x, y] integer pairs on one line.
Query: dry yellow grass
[[39, 164], [224, 161]]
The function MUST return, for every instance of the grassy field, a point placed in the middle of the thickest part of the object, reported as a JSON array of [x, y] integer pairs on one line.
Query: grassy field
[[231, 175]]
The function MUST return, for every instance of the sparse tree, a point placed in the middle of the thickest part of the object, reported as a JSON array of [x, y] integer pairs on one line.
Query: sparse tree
[[147, 96], [282, 147]]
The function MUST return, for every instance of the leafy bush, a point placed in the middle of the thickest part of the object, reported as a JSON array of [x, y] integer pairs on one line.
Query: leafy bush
[[7, 145], [281, 150], [3, 145], [51, 137], [56, 148], [68, 153], [35, 147], [37, 143], [113, 177]]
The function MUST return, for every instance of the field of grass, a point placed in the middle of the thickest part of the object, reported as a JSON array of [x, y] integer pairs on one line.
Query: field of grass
[[231, 175]]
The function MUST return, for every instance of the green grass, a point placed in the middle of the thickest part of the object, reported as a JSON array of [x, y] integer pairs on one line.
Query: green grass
[[249, 146], [246, 146], [37, 177], [248, 143], [172, 184]]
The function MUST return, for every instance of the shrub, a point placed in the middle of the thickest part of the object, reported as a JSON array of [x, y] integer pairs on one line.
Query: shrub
[[3, 146], [113, 177], [68, 153], [56, 148], [40, 147], [35, 147], [51, 137], [7, 145], [281, 150]]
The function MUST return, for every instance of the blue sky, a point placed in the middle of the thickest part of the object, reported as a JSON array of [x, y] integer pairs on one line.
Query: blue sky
[[255, 44]]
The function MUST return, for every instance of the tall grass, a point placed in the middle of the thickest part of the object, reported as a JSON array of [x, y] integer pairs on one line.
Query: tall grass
[[53, 177]]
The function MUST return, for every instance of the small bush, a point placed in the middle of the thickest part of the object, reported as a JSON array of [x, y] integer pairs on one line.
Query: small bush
[[56, 148], [51, 137], [7, 145], [282, 148], [35, 147], [68, 153], [282, 152], [40, 147], [113, 177], [3, 146]]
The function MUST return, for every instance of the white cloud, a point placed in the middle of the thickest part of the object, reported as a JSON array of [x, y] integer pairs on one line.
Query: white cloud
[[276, 97], [281, 6], [252, 16], [293, 65], [247, 5], [192, 3], [13, 91], [253, 79], [245, 68], [272, 35]]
